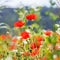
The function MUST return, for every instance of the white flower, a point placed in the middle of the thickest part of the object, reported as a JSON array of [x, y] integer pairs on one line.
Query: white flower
[[24, 41], [26, 11], [18, 37], [7, 32], [57, 25], [28, 30], [9, 58], [21, 52], [50, 47], [54, 56], [35, 9], [15, 51], [58, 45], [58, 31]]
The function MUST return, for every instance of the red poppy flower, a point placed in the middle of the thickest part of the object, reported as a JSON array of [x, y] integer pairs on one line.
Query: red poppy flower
[[25, 35], [38, 44], [12, 47], [14, 40], [19, 24], [9, 36], [3, 37], [31, 17], [39, 38], [33, 46], [34, 53], [48, 33]]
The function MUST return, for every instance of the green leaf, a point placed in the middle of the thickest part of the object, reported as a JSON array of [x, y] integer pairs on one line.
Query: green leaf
[[47, 12], [58, 52], [53, 16]]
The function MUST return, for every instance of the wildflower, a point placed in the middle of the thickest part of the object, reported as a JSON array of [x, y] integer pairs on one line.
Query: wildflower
[[58, 31], [48, 33], [50, 46], [14, 40], [31, 17], [25, 35], [57, 25], [33, 45], [3, 37], [28, 30], [39, 38], [34, 52], [57, 47], [38, 44], [19, 24], [12, 47], [9, 36], [54, 56], [24, 41], [9, 57], [18, 37], [15, 51]]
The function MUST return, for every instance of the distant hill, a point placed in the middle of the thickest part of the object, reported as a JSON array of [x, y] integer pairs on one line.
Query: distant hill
[[9, 16], [46, 21]]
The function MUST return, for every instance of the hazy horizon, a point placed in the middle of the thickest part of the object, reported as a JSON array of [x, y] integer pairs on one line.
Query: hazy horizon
[[19, 3]]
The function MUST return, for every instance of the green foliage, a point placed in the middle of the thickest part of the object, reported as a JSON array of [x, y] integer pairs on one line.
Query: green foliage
[[53, 16]]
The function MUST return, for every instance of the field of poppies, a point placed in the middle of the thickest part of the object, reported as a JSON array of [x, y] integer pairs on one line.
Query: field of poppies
[[30, 42]]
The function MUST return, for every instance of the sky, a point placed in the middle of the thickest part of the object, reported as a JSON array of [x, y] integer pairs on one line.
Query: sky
[[18, 3]]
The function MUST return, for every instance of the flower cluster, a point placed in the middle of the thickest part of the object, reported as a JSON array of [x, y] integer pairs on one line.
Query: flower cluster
[[28, 44]]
